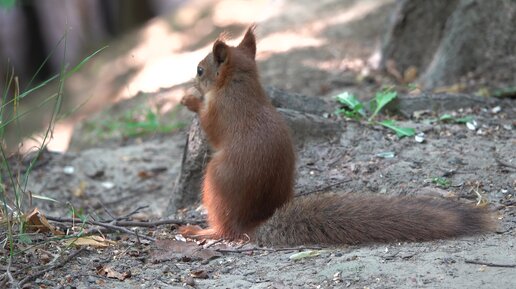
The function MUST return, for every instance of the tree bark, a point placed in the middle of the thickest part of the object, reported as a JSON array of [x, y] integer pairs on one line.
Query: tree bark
[[450, 40]]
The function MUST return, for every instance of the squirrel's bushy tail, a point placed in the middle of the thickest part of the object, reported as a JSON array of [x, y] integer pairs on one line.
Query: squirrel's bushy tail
[[356, 219]]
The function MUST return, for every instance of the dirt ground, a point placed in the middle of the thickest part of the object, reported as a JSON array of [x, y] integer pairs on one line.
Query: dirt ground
[[131, 179]]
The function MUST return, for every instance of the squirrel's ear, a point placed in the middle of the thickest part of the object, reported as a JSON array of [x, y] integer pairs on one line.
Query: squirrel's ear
[[220, 52], [248, 43]]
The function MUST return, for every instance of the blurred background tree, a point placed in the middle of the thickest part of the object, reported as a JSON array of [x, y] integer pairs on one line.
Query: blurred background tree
[[30, 30], [317, 48]]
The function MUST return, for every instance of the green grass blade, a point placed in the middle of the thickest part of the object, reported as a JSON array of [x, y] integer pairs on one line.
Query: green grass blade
[[7, 122], [67, 75], [46, 59], [84, 61]]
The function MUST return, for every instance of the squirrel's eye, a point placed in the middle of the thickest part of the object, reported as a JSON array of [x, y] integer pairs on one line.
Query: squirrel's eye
[[200, 71]]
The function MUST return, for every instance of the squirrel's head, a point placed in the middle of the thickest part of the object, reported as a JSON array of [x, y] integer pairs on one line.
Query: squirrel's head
[[226, 62]]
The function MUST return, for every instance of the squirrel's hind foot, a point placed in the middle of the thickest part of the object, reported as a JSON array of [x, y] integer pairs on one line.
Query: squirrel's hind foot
[[196, 232]]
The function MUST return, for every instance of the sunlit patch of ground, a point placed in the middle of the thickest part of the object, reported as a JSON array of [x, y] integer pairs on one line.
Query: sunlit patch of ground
[[295, 38]]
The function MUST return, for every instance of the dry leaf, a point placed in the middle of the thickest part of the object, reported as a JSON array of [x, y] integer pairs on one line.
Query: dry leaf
[[95, 241], [145, 175], [36, 222], [108, 271], [410, 74], [200, 274], [450, 89], [79, 191]]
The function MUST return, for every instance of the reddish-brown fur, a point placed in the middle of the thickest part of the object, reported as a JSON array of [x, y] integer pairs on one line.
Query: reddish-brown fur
[[248, 185], [251, 173]]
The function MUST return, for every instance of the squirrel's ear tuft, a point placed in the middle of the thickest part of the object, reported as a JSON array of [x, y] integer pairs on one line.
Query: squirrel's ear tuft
[[248, 43], [220, 52]]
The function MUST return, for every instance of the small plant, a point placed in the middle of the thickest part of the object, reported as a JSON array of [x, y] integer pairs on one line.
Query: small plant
[[355, 110], [15, 198], [134, 122], [441, 182]]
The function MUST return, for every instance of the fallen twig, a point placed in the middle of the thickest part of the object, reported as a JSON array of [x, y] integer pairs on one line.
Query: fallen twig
[[101, 224], [135, 211], [322, 189], [119, 225], [15, 284], [266, 249], [53, 267], [504, 163], [158, 223], [129, 223], [213, 243], [489, 264]]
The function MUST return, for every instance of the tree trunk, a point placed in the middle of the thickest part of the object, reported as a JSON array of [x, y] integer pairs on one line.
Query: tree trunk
[[447, 41]]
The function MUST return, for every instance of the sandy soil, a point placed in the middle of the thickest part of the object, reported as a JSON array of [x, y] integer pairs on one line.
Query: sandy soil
[[111, 179]]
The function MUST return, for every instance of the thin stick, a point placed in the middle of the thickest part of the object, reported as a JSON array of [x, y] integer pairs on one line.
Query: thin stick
[[122, 229], [213, 243], [105, 225], [158, 223], [324, 188], [130, 223], [132, 213], [489, 264], [14, 283], [504, 163], [108, 211], [266, 249], [53, 267]]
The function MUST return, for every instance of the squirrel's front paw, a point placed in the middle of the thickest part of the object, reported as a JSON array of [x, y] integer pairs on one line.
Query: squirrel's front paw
[[192, 102]]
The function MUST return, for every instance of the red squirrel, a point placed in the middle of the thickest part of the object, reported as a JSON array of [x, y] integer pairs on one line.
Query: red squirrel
[[248, 187]]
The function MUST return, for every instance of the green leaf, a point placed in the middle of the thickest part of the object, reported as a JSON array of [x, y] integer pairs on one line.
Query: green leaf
[[348, 113], [400, 131], [351, 102], [446, 117], [24, 238], [382, 98], [449, 117], [465, 119], [306, 254]]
